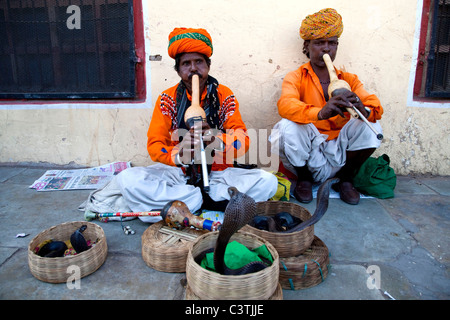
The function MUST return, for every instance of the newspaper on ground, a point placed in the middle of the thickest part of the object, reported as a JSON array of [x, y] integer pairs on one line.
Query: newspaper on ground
[[79, 179]]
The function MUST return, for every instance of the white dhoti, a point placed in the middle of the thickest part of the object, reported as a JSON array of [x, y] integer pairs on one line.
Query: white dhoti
[[147, 188], [299, 145]]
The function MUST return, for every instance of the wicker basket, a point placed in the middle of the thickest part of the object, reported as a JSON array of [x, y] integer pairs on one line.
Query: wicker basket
[[306, 270], [277, 295], [209, 285], [54, 270], [286, 244], [165, 252]]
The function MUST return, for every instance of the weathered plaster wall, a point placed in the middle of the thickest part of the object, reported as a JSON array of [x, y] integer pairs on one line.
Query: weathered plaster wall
[[78, 136], [256, 42]]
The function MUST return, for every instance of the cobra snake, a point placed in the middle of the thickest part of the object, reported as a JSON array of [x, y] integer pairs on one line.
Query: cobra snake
[[240, 210]]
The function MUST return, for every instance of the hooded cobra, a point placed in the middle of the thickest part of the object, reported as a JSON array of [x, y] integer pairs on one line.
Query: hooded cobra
[[240, 210]]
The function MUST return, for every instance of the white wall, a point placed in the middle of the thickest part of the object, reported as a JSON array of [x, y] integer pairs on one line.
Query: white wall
[[256, 42]]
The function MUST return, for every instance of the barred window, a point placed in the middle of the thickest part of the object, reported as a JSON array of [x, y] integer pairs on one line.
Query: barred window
[[52, 49], [438, 79], [433, 68]]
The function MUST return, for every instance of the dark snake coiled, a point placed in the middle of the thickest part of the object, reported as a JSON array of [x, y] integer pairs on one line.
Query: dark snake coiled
[[78, 241], [323, 195], [241, 210]]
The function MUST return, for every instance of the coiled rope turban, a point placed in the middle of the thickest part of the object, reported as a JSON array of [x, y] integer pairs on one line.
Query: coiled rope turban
[[323, 24]]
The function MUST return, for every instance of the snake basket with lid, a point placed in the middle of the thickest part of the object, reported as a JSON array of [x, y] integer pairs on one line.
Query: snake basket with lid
[[166, 250], [296, 240], [209, 285], [55, 270], [306, 270]]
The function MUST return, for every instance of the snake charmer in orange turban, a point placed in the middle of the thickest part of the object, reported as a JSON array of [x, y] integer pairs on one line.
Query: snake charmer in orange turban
[[323, 24], [183, 40]]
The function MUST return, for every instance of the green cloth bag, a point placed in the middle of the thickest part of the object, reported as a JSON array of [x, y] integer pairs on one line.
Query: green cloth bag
[[237, 255], [376, 178]]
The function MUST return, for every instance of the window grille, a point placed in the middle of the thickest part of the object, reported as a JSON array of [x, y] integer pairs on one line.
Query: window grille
[[61, 49], [438, 71]]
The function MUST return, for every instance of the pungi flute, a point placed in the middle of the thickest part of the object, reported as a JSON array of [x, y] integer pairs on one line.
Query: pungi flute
[[336, 87], [89, 215], [196, 113]]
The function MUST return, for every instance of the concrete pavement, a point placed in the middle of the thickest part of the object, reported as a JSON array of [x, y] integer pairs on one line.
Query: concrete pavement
[[406, 240]]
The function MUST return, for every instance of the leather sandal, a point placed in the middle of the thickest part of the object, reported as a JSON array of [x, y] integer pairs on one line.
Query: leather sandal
[[303, 191], [347, 192]]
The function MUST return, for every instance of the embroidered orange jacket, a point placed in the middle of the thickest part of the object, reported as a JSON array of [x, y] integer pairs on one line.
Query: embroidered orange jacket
[[302, 98], [163, 125]]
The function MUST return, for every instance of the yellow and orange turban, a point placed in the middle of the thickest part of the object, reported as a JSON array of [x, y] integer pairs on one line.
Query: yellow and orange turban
[[323, 24], [182, 40]]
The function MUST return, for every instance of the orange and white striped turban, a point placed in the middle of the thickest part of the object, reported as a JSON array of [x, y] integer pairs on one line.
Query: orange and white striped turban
[[323, 24], [182, 40]]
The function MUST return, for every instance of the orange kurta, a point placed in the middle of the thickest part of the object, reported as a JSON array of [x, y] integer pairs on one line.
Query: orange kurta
[[162, 149], [302, 98]]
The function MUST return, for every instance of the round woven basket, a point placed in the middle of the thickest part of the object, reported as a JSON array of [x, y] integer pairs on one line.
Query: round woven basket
[[209, 285], [277, 295], [286, 244], [306, 270], [55, 270], [165, 252]]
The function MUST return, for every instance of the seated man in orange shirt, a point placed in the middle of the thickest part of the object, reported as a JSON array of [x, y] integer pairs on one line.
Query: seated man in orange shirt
[[317, 137], [174, 145]]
